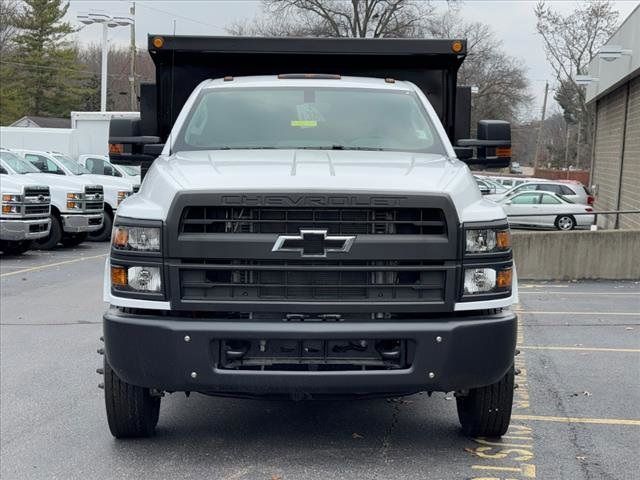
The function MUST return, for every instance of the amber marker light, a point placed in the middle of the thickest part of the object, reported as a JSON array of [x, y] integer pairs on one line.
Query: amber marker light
[[120, 237], [118, 276], [457, 46], [158, 42], [503, 279], [503, 239]]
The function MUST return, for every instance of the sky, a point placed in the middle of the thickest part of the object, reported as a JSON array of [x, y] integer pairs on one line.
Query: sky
[[513, 21]]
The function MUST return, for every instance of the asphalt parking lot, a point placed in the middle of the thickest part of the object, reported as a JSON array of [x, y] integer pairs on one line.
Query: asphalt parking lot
[[576, 416]]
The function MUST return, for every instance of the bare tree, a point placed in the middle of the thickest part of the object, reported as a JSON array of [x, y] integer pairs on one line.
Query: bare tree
[[118, 97], [501, 80], [571, 41], [341, 18]]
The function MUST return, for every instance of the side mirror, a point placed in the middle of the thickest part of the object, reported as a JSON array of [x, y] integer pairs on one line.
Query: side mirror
[[154, 149], [493, 145], [508, 202]]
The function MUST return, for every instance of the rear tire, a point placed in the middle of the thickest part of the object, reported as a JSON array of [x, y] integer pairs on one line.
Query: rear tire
[[15, 248], [104, 233], [55, 235], [486, 411], [131, 411], [565, 222], [74, 239]]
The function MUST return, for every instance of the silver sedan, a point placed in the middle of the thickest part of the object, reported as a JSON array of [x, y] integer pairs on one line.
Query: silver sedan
[[525, 210]]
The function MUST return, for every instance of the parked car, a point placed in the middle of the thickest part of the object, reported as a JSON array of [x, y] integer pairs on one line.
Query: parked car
[[565, 212], [571, 191], [25, 212], [516, 168], [77, 207], [100, 165], [115, 189]]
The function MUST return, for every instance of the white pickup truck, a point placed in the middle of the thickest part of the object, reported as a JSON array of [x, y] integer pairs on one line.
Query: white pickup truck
[[101, 165], [115, 189], [25, 212], [77, 207]]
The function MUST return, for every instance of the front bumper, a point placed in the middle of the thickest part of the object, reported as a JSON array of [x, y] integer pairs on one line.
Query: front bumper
[[151, 351], [17, 230], [81, 222]]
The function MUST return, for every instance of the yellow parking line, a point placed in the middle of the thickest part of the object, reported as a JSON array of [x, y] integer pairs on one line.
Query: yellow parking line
[[580, 349], [597, 421], [537, 312], [49, 265]]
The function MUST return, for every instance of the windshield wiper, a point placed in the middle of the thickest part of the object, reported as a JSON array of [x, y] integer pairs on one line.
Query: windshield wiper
[[247, 147], [339, 147]]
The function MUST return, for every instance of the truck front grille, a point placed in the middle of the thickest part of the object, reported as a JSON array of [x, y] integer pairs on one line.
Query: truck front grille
[[379, 281], [42, 209], [93, 198], [351, 221]]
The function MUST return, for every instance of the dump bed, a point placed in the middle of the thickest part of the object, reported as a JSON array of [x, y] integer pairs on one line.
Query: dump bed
[[182, 62]]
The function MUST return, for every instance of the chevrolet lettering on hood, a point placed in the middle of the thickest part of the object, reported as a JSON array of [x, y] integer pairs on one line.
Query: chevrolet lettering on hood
[[314, 200]]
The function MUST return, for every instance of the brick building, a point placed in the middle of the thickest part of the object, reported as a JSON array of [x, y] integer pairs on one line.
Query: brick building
[[615, 92]]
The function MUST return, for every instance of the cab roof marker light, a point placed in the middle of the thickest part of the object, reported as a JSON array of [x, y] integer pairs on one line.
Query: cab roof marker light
[[317, 76]]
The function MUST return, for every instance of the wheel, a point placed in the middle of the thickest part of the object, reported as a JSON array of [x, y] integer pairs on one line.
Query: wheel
[[131, 410], [15, 248], [74, 239], [565, 222], [486, 411], [55, 235], [104, 233]]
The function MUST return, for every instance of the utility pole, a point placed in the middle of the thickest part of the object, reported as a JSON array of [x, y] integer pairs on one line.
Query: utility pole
[[132, 61], [544, 111]]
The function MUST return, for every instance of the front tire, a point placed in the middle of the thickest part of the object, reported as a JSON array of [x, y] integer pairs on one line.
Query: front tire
[[486, 411], [55, 235], [104, 233], [565, 222], [131, 411]]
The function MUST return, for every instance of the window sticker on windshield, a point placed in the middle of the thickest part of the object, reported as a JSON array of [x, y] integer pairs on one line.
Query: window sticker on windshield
[[304, 123], [308, 116]]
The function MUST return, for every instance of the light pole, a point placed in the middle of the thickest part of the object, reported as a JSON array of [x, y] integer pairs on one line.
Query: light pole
[[107, 22]]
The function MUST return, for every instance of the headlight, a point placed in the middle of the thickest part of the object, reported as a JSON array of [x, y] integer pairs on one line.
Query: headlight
[[10, 198], [11, 209], [487, 280], [140, 239], [74, 205], [74, 196], [141, 279], [487, 240]]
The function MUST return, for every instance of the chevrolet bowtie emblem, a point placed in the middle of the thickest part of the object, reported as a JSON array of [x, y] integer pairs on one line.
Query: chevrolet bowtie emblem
[[313, 243]]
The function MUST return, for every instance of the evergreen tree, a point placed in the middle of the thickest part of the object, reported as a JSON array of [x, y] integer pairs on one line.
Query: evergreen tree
[[49, 74]]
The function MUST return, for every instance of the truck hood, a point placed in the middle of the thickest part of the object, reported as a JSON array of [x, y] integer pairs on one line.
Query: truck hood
[[306, 171], [59, 181], [107, 181]]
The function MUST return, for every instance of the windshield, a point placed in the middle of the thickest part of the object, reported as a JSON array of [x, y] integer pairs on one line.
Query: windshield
[[309, 117], [16, 164], [71, 165], [129, 170]]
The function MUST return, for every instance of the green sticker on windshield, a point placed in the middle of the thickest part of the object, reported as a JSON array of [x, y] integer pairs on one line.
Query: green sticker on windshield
[[304, 123]]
